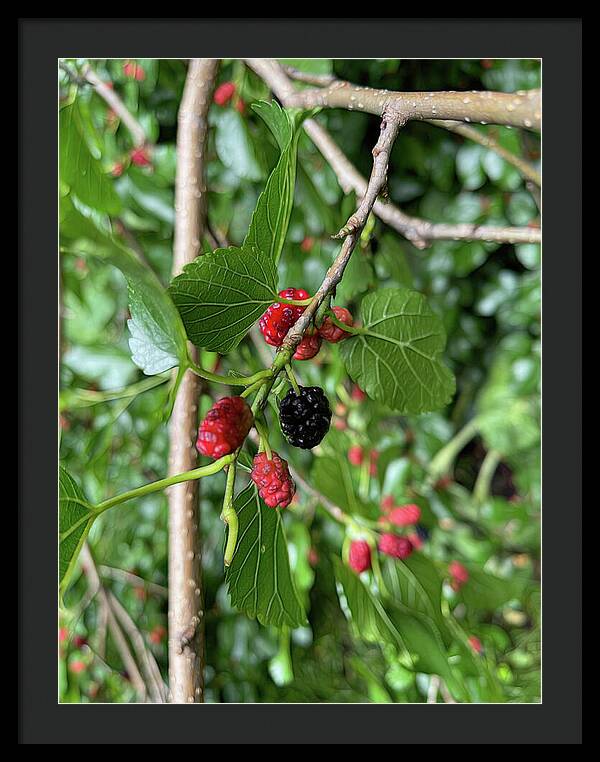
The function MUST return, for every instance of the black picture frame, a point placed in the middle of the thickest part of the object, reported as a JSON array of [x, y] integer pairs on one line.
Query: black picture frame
[[558, 43]]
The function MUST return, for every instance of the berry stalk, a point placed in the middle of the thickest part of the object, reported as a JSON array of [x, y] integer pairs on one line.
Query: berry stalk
[[229, 516], [229, 380], [186, 476]]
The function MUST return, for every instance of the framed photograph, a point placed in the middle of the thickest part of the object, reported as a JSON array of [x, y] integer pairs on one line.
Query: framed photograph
[[296, 372]]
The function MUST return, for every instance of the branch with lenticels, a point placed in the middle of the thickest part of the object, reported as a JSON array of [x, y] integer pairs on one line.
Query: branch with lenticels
[[520, 109], [390, 125], [419, 232]]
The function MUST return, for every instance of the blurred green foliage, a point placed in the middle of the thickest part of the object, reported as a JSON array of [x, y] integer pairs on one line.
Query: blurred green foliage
[[488, 296]]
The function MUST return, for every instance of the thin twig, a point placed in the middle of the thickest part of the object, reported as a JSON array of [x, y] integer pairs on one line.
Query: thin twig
[[390, 125], [464, 130], [446, 695], [116, 633], [432, 691], [132, 579], [145, 658], [116, 104]]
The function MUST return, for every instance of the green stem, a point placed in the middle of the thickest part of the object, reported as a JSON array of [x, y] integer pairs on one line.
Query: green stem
[[292, 377], [295, 302], [264, 438], [186, 476], [443, 460], [75, 398], [377, 568], [481, 490], [229, 516], [229, 380], [355, 330], [252, 388], [323, 310]]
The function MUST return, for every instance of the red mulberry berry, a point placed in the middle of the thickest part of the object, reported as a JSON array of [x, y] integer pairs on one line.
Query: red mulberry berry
[[307, 244], [357, 394], [405, 515], [225, 427], [393, 545], [475, 644], [359, 557], [272, 477], [224, 93], [387, 503], [140, 157], [134, 71], [459, 574], [308, 347], [117, 169], [77, 667], [355, 455], [279, 318], [157, 634], [331, 332], [373, 462]]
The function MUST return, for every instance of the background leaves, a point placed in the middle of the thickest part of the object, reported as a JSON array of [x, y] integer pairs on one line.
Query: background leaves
[[80, 170]]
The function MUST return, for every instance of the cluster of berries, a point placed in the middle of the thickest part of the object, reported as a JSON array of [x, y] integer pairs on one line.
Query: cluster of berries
[[304, 420], [356, 456], [133, 70], [224, 93], [139, 157], [390, 544], [279, 318], [76, 665]]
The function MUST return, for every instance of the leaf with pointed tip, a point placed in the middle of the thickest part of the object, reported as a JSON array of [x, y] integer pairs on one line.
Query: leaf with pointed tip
[[396, 359], [222, 294], [76, 517], [271, 217], [259, 579]]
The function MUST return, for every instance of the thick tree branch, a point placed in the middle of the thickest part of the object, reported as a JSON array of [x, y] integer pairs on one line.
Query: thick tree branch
[[520, 109], [186, 615], [117, 105], [418, 231]]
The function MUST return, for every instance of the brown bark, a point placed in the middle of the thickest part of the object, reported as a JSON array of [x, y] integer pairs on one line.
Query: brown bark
[[186, 615], [418, 231]]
